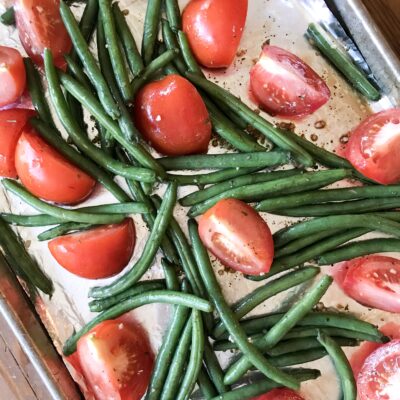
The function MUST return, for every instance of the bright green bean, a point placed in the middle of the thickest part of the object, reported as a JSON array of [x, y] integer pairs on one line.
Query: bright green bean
[[63, 229], [150, 29]]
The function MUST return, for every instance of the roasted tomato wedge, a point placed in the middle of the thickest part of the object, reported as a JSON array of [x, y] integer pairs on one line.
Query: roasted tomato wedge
[[46, 173], [116, 360], [11, 124], [40, 26], [279, 394], [12, 75], [97, 253], [237, 235], [374, 147], [172, 116], [379, 378], [285, 86], [214, 29], [373, 281]]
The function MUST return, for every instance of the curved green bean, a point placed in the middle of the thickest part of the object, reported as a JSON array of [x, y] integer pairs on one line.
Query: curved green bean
[[214, 369], [150, 29], [187, 54], [171, 43], [63, 229], [170, 274]]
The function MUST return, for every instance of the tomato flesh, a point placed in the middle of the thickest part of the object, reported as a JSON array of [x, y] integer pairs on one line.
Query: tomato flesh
[[374, 147], [47, 174], [279, 394], [285, 86], [214, 29], [172, 116], [237, 235], [40, 26], [116, 360], [97, 253], [12, 75]]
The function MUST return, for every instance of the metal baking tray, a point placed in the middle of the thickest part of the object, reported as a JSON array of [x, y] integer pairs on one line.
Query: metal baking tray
[[283, 22]]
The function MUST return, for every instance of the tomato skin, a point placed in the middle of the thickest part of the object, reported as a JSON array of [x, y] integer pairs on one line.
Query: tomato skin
[[279, 394], [47, 174], [285, 86], [40, 26], [237, 235], [97, 253], [116, 360], [374, 147], [12, 75], [11, 124], [172, 116], [214, 29]]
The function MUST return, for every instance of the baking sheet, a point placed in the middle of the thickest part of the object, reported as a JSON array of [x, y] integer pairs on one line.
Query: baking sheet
[[283, 23]]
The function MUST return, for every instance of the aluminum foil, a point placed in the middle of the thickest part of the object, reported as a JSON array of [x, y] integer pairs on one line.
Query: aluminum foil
[[283, 23]]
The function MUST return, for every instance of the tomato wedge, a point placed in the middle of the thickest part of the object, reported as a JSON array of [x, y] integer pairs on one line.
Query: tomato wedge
[[11, 124], [379, 378], [373, 281], [116, 360], [12, 75], [284, 85], [40, 26], [237, 235], [214, 29], [279, 394], [97, 253], [47, 174], [374, 147], [172, 116]]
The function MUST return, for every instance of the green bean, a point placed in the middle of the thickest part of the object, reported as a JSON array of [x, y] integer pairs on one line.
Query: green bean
[[262, 293], [89, 19], [206, 387], [63, 229], [18, 257], [173, 14], [307, 180], [128, 42], [342, 365], [195, 360], [235, 118], [171, 43], [329, 195], [228, 317], [237, 182], [187, 54], [214, 369], [274, 134], [280, 329], [298, 357], [36, 92], [88, 61], [76, 71], [170, 274], [150, 29], [8, 17], [161, 223], [228, 160], [343, 222], [339, 57], [359, 249]]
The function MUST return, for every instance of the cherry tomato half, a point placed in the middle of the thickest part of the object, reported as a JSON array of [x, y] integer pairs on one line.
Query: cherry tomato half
[[97, 253], [12, 75], [374, 147], [284, 85], [237, 235], [172, 116], [40, 26], [47, 174], [214, 29], [116, 360], [279, 394], [11, 124]]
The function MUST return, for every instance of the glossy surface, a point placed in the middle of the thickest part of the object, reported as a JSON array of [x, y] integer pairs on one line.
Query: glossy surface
[[172, 116], [279, 394], [214, 29], [285, 86], [97, 253], [47, 174], [237, 235]]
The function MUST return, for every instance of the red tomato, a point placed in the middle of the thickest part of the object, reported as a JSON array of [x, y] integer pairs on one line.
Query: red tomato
[[374, 147], [47, 174], [379, 378], [284, 85], [40, 26], [12, 75], [172, 116], [214, 29], [373, 281], [279, 394], [11, 124], [97, 253], [237, 235], [116, 360]]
